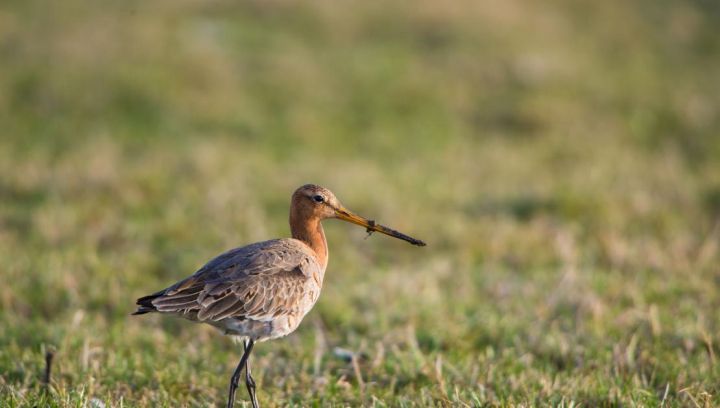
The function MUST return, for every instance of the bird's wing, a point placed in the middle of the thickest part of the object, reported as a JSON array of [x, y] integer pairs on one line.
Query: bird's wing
[[258, 282]]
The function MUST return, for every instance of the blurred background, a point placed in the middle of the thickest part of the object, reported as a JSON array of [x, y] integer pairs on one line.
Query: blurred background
[[561, 159]]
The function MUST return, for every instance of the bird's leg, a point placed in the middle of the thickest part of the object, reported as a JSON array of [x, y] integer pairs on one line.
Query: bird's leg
[[236, 375], [249, 381]]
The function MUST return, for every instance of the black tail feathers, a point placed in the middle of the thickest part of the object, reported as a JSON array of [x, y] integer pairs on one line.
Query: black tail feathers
[[146, 305]]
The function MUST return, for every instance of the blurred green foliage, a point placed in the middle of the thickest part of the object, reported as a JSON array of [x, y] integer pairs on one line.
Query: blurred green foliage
[[562, 159]]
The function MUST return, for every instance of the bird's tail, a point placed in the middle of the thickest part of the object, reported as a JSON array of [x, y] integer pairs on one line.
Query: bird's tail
[[145, 304]]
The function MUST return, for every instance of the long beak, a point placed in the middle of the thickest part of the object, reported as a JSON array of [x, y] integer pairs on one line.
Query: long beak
[[371, 226]]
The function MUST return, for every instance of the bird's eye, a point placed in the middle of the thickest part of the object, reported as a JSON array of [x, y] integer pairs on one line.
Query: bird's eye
[[318, 198]]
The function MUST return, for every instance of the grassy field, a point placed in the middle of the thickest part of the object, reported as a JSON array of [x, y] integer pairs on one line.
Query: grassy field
[[561, 159]]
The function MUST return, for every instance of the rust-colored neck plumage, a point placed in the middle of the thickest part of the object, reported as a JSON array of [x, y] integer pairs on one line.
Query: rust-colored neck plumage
[[310, 231]]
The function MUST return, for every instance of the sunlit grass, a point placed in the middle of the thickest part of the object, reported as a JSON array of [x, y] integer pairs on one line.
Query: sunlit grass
[[560, 160]]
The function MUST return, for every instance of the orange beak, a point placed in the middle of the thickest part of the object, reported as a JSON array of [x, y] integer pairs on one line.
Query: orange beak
[[371, 226]]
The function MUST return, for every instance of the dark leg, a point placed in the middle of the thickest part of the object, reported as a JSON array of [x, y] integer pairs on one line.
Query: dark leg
[[236, 375], [249, 381]]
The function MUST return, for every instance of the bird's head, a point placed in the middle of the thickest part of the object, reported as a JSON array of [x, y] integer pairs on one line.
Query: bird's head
[[313, 201]]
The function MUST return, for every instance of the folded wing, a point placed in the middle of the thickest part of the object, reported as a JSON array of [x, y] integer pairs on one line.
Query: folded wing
[[259, 282]]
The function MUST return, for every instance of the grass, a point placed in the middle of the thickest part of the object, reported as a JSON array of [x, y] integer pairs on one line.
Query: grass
[[561, 161]]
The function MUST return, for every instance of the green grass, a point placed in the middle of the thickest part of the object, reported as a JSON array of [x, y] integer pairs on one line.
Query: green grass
[[562, 160]]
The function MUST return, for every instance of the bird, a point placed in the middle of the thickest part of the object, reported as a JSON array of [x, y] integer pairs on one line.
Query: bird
[[263, 290]]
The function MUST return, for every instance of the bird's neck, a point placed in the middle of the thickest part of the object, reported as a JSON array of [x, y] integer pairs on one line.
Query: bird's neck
[[310, 231]]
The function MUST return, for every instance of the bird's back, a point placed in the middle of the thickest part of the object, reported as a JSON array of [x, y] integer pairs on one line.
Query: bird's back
[[260, 291]]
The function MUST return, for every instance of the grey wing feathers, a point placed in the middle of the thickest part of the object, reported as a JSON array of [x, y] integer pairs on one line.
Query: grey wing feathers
[[258, 282]]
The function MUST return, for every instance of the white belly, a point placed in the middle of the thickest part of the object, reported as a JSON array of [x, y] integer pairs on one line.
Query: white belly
[[259, 330]]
